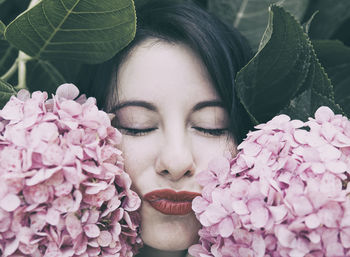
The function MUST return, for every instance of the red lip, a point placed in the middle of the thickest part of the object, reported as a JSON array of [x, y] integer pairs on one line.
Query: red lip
[[170, 202]]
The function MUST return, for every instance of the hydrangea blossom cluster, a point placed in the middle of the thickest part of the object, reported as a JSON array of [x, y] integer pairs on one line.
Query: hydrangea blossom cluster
[[286, 192], [63, 190]]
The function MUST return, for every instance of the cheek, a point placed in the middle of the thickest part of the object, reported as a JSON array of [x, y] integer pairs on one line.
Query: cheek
[[207, 149], [138, 158]]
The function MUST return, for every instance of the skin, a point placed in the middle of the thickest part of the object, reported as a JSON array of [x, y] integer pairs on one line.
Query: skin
[[173, 124]]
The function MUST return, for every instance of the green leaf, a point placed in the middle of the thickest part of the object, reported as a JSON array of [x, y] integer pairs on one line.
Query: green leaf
[[2, 29], [273, 77], [47, 76], [6, 91], [307, 24], [89, 31], [332, 14], [251, 16], [8, 54], [10, 9], [285, 76], [1, 1], [335, 57], [304, 105], [316, 91]]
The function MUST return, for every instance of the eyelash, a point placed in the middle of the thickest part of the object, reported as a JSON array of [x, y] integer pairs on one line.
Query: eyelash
[[136, 132], [211, 132], [142, 132]]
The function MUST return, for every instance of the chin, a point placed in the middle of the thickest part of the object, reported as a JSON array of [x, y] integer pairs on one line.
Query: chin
[[168, 232]]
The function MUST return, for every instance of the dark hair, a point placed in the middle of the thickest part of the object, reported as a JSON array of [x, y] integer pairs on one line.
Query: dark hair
[[223, 51]]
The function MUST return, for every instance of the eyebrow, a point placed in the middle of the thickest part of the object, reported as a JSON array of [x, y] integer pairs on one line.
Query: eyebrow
[[136, 103], [204, 104], [151, 107]]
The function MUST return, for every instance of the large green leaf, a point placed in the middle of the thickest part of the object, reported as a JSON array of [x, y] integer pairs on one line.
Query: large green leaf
[[83, 30], [2, 29], [285, 75], [6, 91], [47, 76], [8, 54], [273, 77], [10, 9], [251, 16], [335, 57], [331, 15], [316, 91]]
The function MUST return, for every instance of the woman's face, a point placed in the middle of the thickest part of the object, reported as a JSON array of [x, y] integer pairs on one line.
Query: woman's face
[[173, 124]]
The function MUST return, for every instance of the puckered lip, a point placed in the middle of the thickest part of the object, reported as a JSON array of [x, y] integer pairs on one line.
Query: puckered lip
[[170, 202]]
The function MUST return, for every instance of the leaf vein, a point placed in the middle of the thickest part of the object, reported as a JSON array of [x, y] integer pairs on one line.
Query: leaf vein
[[104, 12], [240, 13], [57, 28], [28, 37], [5, 56], [96, 29]]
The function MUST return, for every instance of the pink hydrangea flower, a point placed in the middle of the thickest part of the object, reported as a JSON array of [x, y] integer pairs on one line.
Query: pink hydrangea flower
[[284, 194], [63, 190]]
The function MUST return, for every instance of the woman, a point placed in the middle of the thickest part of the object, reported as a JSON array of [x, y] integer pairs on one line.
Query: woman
[[172, 92]]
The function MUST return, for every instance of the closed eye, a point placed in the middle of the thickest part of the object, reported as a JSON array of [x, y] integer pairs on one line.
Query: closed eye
[[211, 132], [135, 131]]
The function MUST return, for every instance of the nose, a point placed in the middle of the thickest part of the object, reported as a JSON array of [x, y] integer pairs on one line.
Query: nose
[[175, 160]]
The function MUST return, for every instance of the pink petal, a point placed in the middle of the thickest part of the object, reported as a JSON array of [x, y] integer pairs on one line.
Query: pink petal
[[278, 212], [302, 206], [258, 245], [53, 217], [259, 217], [314, 237], [199, 204], [252, 149], [63, 203], [133, 201], [104, 239], [36, 194], [63, 189], [23, 95], [11, 247], [71, 107], [334, 249], [53, 155], [336, 166], [215, 213], [91, 230], [73, 225], [312, 221], [324, 114], [240, 207], [345, 237], [116, 230], [226, 227], [329, 153], [330, 185], [10, 202], [284, 236], [67, 91]]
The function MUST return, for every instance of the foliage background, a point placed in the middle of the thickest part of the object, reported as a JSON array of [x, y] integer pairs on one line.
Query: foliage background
[[302, 50]]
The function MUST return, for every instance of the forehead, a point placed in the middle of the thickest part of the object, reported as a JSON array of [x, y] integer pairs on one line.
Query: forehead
[[155, 70]]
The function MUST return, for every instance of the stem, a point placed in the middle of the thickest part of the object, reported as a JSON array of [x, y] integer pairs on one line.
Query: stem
[[22, 70], [32, 3], [23, 58], [20, 63], [11, 71]]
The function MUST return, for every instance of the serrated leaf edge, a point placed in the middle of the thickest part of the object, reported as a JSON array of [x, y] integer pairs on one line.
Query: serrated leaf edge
[[254, 120]]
